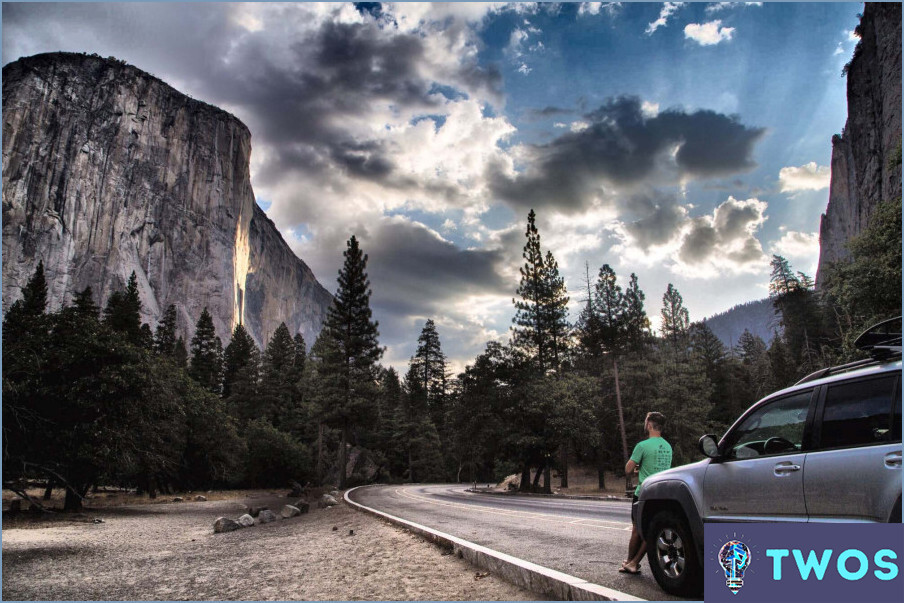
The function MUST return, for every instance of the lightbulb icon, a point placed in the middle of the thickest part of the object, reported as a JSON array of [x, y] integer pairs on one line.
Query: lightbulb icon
[[734, 557]]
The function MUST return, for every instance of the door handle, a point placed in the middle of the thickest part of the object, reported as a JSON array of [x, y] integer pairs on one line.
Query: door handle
[[780, 469], [893, 459]]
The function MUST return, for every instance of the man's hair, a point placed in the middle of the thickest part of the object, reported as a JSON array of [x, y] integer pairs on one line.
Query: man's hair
[[657, 420]]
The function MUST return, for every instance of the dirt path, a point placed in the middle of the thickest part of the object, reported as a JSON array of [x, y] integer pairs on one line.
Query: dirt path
[[169, 551]]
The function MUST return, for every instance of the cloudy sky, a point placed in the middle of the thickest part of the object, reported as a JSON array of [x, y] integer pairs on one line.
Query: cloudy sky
[[686, 142]]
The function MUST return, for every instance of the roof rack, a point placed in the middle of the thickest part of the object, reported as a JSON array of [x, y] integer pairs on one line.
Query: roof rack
[[882, 341]]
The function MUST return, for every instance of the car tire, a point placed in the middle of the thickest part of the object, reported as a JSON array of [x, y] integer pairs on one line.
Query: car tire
[[672, 555]]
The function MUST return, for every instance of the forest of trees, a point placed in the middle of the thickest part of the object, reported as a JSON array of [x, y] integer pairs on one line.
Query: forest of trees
[[93, 397]]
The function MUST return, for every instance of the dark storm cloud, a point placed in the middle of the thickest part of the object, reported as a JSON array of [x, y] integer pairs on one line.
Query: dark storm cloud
[[699, 243], [547, 112], [622, 147], [413, 270], [660, 218]]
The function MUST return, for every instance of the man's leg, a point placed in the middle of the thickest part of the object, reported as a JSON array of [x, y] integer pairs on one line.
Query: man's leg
[[633, 565]]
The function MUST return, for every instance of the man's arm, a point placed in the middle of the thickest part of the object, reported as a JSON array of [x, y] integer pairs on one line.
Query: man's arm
[[630, 466]]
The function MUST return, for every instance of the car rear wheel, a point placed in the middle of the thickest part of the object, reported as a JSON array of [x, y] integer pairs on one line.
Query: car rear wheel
[[672, 554]]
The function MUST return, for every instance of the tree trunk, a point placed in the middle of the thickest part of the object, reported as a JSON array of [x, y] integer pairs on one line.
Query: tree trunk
[[48, 491], [410, 465], [621, 422], [343, 454], [536, 483], [74, 498], [525, 478], [547, 478], [319, 452], [563, 470], [601, 467]]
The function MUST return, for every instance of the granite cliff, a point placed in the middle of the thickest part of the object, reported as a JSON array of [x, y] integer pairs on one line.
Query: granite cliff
[[866, 157], [108, 170]]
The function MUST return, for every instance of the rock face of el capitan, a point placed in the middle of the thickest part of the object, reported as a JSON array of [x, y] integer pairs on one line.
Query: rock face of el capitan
[[866, 166], [108, 170]]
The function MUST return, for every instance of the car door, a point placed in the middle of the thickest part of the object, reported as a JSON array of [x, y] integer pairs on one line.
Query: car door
[[854, 471], [759, 475]]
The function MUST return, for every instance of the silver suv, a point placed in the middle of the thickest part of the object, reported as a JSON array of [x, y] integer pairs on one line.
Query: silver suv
[[826, 449]]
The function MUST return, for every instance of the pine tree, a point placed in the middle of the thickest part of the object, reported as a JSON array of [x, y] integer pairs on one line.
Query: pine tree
[[180, 353], [279, 380], [83, 302], [349, 323], [637, 324], [425, 462], [123, 312], [26, 314], [610, 306], [675, 317], [240, 363], [588, 327], [555, 311], [165, 336], [206, 355], [34, 295]]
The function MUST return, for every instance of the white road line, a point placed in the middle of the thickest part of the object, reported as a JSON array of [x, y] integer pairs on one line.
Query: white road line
[[618, 525]]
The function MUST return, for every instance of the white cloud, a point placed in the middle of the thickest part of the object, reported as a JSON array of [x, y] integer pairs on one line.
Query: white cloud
[[579, 126], [668, 9], [716, 7], [649, 109], [708, 34], [594, 8], [524, 69], [801, 249], [808, 177]]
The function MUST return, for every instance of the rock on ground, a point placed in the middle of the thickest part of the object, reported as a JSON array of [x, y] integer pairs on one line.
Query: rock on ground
[[327, 501], [266, 516], [289, 511], [224, 524], [246, 521]]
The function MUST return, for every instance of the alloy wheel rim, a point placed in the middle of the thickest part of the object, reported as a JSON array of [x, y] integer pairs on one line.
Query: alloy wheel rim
[[670, 553]]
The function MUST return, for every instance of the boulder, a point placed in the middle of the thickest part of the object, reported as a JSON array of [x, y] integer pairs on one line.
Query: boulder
[[224, 524], [178, 499], [289, 511], [335, 493], [266, 516], [201, 498], [246, 521], [302, 505], [255, 511], [327, 501]]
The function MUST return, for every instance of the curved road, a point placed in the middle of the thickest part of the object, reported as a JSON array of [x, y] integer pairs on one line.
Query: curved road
[[584, 538]]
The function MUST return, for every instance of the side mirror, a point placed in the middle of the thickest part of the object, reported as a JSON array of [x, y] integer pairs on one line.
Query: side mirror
[[709, 446]]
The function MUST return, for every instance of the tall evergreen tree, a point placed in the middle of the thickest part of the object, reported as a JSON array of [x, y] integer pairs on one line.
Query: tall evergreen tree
[[206, 365], [34, 295], [637, 324], [675, 317], [84, 305], [349, 323], [165, 336], [241, 360], [279, 379], [123, 312], [531, 332], [555, 311], [611, 308]]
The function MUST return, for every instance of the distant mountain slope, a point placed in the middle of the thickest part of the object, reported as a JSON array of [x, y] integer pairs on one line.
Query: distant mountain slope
[[757, 316]]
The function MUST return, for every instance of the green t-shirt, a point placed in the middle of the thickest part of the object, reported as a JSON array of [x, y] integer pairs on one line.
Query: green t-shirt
[[652, 456]]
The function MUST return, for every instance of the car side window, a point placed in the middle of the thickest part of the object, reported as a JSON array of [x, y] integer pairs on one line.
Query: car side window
[[776, 428], [858, 413]]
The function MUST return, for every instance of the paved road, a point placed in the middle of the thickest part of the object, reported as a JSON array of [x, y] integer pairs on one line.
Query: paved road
[[584, 538]]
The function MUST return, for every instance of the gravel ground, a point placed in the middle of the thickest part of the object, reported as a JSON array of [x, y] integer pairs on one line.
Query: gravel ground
[[169, 551]]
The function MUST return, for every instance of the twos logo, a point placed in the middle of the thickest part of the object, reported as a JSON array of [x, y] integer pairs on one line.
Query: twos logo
[[734, 557]]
